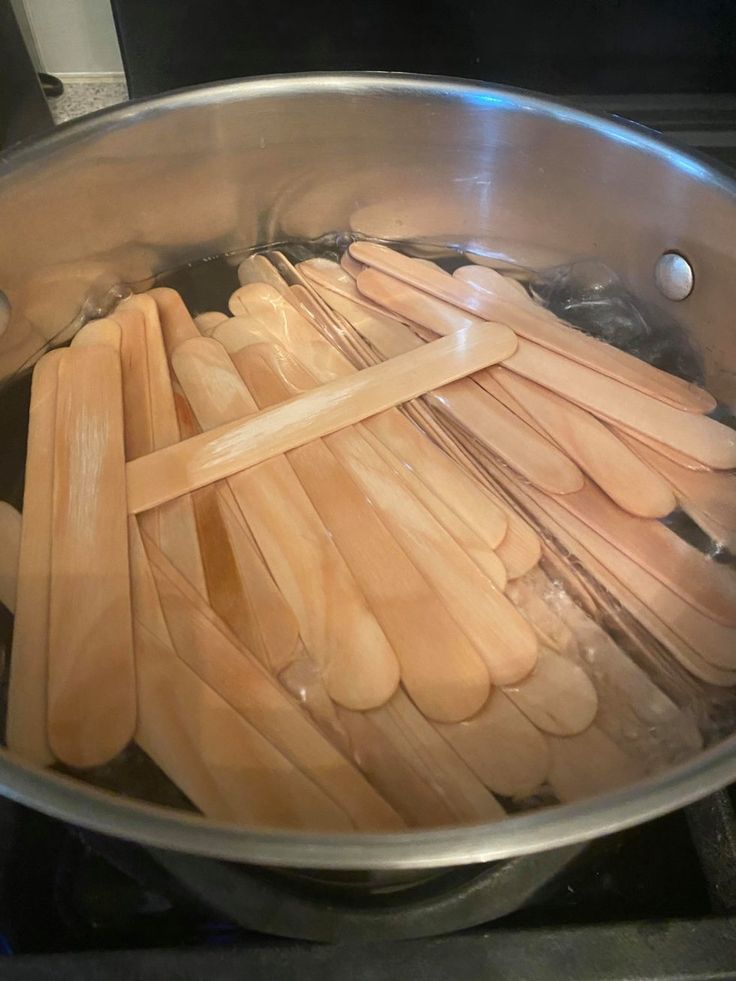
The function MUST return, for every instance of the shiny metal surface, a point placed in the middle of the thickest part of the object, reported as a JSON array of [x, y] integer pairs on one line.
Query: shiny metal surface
[[150, 186], [673, 275]]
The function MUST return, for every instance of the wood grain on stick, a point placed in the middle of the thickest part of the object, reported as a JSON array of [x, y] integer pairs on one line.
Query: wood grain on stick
[[10, 535], [91, 679], [237, 445], [618, 471], [336, 624], [208, 647], [26, 727], [441, 670], [488, 295]]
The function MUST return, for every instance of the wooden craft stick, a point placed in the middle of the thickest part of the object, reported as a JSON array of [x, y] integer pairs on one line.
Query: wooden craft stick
[[177, 325], [10, 535], [533, 456], [91, 679], [472, 544], [490, 297], [350, 265], [257, 269], [325, 274], [105, 332], [697, 436], [714, 641], [25, 732], [666, 451], [265, 307], [336, 623], [558, 696], [708, 497], [445, 479], [618, 471], [221, 761], [441, 670], [208, 321], [704, 584], [502, 637], [237, 445], [502, 747], [606, 565], [414, 768], [589, 764], [151, 424], [206, 645]]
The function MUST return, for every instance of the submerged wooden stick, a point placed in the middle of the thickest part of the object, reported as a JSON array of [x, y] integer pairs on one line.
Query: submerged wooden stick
[[628, 481], [92, 703], [488, 295], [337, 626], [209, 649], [442, 672], [10, 535], [236, 446], [27, 690]]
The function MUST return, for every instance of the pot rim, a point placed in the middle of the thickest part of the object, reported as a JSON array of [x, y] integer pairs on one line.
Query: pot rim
[[71, 800]]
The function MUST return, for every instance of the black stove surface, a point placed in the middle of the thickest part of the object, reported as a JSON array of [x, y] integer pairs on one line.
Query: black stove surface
[[656, 901]]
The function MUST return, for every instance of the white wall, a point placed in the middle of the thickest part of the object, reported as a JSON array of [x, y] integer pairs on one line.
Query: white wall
[[75, 36]]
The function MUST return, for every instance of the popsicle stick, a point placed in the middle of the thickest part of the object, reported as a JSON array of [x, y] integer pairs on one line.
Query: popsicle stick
[[208, 321], [350, 265], [697, 436], [505, 641], [25, 731], [558, 696], [91, 679], [442, 672], [236, 445], [264, 307], [338, 628], [442, 477], [408, 303], [708, 497], [105, 332], [674, 622], [520, 549], [623, 476], [414, 768], [325, 274], [218, 758], [202, 640], [257, 269], [532, 456], [714, 641], [632, 710], [513, 289], [379, 331], [177, 325], [473, 545], [490, 297], [223, 764], [151, 424], [10, 535], [502, 747], [589, 764], [706, 585], [666, 451]]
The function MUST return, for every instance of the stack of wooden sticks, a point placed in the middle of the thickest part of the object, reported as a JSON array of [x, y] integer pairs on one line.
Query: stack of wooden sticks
[[323, 591]]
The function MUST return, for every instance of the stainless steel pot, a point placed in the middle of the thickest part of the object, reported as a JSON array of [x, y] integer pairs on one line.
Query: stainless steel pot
[[149, 186]]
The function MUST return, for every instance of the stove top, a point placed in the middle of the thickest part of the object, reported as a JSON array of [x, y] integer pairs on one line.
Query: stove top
[[657, 901]]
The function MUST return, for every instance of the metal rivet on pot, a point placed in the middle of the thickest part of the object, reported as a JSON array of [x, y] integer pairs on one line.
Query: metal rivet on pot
[[673, 275]]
